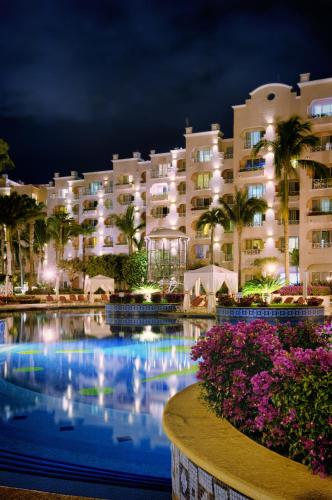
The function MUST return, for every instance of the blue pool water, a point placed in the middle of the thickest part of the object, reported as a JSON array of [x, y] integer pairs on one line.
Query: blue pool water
[[77, 389]]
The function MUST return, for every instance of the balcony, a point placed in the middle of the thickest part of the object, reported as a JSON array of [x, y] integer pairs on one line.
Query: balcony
[[228, 258], [76, 196], [255, 224], [124, 185], [161, 175], [322, 244], [201, 207], [322, 183], [89, 211], [159, 216], [228, 156], [291, 222], [181, 171], [108, 245], [108, 190], [90, 192], [228, 180], [201, 235], [159, 197], [202, 188], [320, 212]]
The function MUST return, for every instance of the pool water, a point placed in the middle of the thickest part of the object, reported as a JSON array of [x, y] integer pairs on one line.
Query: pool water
[[78, 388]]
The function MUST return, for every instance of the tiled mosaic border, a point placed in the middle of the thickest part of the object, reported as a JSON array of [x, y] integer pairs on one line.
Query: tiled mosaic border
[[139, 308], [190, 482], [224, 313]]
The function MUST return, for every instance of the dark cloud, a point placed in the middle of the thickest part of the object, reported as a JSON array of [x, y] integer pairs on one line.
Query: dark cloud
[[81, 79]]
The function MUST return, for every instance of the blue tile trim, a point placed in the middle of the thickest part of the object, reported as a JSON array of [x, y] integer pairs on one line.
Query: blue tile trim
[[139, 308]]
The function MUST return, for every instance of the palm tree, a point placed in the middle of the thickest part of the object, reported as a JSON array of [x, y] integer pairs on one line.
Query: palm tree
[[12, 214], [240, 214], [6, 163], [41, 238], [293, 137], [126, 224], [34, 211], [85, 231], [209, 221], [61, 228]]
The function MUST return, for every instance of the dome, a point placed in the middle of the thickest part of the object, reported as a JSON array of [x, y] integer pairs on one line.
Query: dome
[[166, 233]]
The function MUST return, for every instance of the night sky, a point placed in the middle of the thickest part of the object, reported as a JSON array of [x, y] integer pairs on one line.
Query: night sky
[[81, 80]]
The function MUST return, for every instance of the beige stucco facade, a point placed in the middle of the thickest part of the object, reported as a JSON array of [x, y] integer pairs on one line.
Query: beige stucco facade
[[174, 188]]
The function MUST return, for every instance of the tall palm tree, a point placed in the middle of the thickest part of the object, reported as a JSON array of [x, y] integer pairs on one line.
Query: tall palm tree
[[126, 224], [209, 221], [6, 163], [12, 214], [61, 228], [34, 211], [241, 213], [41, 238], [85, 231], [293, 138]]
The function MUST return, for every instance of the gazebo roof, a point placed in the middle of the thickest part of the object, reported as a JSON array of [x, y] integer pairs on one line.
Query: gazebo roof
[[166, 233], [211, 269]]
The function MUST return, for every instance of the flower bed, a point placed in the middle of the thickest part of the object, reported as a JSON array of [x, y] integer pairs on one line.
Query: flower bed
[[298, 290], [272, 384]]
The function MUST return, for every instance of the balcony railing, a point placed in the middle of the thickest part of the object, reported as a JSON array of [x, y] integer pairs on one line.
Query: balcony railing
[[124, 185], [228, 180], [228, 156], [89, 209], [201, 207], [108, 245], [159, 197], [108, 190], [292, 222], [159, 216], [228, 257], [321, 115], [322, 183], [91, 192], [202, 235], [252, 251], [322, 244], [254, 223], [160, 175], [320, 212], [202, 188], [323, 147]]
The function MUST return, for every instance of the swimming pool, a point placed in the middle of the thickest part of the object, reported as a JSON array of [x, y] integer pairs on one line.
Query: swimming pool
[[80, 394]]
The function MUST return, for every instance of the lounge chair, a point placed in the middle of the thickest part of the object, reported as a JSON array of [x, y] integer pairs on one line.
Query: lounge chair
[[64, 299], [72, 298], [288, 300], [198, 301], [81, 298], [300, 301], [105, 297], [49, 298]]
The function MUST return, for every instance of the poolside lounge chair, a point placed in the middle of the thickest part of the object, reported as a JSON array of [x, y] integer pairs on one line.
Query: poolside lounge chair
[[81, 298], [199, 301], [49, 298], [72, 298], [64, 300], [300, 301], [288, 300], [105, 297]]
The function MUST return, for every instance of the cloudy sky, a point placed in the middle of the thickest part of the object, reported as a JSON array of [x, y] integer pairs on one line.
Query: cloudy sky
[[83, 79]]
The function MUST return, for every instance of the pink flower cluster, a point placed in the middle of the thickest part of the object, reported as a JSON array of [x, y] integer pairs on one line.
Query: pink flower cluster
[[298, 290], [271, 389]]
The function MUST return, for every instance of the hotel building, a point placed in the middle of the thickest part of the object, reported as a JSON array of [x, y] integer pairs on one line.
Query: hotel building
[[173, 189]]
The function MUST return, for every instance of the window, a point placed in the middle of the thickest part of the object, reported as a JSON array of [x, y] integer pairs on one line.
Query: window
[[203, 155], [255, 164], [201, 251], [203, 203], [95, 186], [254, 244], [322, 107], [293, 243], [294, 187], [251, 138], [322, 205], [322, 238], [257, 220], [294, 215], [182, 188], [161, 212], [256, 191], [203, 180], [228, 153], [160, 170], [108, 203]]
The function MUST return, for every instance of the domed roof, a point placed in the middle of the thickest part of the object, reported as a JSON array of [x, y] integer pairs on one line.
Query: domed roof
[[166, 233]]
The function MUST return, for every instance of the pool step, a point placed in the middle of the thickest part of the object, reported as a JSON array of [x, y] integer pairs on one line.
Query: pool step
[[22, 463]]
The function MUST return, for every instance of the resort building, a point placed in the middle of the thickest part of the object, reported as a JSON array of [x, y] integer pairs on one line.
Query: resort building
[[172, 190]]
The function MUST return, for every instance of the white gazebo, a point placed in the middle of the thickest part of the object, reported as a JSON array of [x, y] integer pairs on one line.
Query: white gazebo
[[99, 281], [211, 278]]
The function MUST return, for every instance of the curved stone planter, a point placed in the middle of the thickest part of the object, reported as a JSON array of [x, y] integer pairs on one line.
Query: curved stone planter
[[213, 460], [271, 314], [138, 309]]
